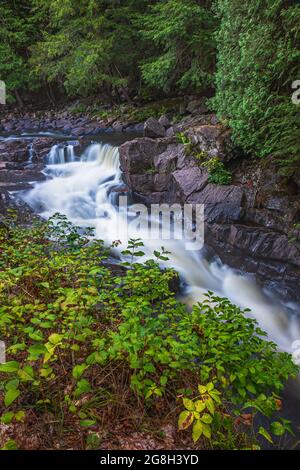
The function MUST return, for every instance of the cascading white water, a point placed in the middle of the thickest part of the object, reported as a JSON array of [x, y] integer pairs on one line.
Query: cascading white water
[[31, 155], [70, 153], [82, 190], [61, 154]]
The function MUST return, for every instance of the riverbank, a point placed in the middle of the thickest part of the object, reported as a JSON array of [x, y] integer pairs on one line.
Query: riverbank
[[252, 221]]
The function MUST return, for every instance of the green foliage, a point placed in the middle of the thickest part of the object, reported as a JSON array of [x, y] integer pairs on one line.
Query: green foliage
[[17, 32], [118, 51], [217, 171], [87, 46], [200, 412], [182, 31], [73, 327], [258, 60]]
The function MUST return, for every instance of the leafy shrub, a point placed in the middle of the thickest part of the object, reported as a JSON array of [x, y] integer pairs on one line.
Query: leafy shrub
[[87, 342], [217, 172]]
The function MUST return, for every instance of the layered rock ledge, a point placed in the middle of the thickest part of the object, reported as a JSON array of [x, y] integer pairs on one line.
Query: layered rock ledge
[[251, 224]]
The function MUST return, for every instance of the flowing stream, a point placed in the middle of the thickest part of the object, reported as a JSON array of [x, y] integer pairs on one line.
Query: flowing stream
[[85, 189]]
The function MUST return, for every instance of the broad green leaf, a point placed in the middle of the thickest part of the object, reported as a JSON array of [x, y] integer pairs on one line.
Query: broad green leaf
[[11, 366], [10, 445], [206, 430], [87, 422], [78, 370], [7, 418], [197, 430], [12, 384], [36, 350], [11, 396]]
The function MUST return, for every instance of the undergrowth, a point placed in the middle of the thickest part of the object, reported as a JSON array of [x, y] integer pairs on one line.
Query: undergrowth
[[96, 353]]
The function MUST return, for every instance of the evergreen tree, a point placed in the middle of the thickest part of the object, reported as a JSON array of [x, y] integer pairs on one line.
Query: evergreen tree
[[184, 54], [17, 32], [258, 60], [89, 45]]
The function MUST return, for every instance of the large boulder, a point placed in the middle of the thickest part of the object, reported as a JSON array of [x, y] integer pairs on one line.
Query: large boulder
[[167, 161], [137, 156], [154, 129], [188, 181], [164, 122], [215, 141], [250, 224]]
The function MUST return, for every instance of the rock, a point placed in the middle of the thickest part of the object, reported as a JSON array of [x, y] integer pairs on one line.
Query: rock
[[162, 182], [166, 162], [14, 150], [223, 213], [214, 194], [188, 181], [117, 126], [197, 107], [153, 128], [137, 156], [170, 132], [213, 140], [134, 128], [78, 131], [164, 122]]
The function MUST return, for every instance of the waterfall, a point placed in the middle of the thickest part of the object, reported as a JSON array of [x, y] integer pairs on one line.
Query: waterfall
[[70, 153], [60, 154], [81, 189], [31, 154]]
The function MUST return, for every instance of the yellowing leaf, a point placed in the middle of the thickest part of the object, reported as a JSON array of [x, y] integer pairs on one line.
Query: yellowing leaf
[[55, 338], [206, 418], [202, 389], [210, 406], [185, 420], [200, 406], [210, 387], [188, 404], [206, 430]]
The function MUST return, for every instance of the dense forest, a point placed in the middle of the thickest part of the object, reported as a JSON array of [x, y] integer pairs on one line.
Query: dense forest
[[247, 54]]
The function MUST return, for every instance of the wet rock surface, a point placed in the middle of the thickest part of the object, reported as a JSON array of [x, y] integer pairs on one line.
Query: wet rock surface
[[21, 163], [251, 224], [77, 125]]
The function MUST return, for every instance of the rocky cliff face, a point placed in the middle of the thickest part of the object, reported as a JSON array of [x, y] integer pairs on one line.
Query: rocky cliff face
[[250, 224]]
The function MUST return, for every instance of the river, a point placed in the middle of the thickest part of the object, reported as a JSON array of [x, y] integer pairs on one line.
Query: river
[[85, 188]]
